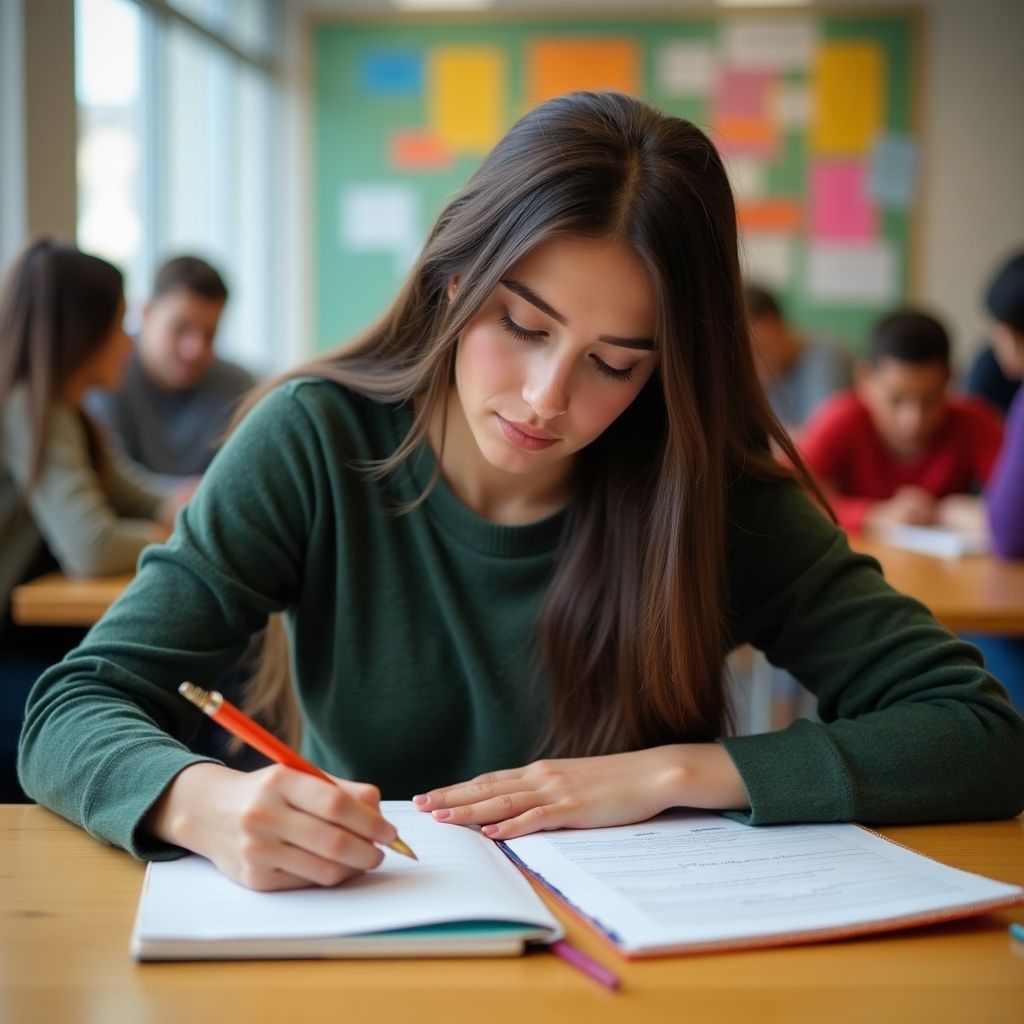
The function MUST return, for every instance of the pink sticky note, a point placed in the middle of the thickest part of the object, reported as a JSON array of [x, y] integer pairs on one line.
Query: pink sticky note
[[840, 206], [744, 94]]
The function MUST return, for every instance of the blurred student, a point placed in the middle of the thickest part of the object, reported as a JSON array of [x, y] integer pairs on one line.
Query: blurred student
[[889, 451], [1000, 514], [798, 372], [989, 376], [65, 500], [177, 395], [1004, 496]]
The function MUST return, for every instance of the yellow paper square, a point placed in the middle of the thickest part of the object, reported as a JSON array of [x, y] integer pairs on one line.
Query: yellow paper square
[[849, 90], [466, 97]]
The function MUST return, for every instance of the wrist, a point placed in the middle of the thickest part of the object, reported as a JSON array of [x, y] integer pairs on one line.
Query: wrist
[[700, 775], [174, 816]]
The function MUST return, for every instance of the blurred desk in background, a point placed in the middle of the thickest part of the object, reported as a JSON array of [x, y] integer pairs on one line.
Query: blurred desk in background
[[970, 594], [57, 600]]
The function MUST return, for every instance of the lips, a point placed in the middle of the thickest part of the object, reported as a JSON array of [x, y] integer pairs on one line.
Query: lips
[[530, 438]]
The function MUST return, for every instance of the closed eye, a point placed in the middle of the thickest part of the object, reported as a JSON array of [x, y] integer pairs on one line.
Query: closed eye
[[611, 371], [519, 332]]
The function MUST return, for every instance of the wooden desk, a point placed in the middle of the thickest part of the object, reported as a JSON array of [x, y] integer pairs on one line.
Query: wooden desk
[[67, 904], [972, 594], [56, 600]]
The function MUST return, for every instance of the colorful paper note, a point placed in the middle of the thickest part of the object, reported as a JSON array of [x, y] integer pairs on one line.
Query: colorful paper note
[[849, 90], [380, 218], [857, 274], [686, 69], [892, 183], [418, 151], [840, 207], [466, 97], [557, 66], [774, 215], [742, 112], [768, 258], [793, 105], [748, 176], [783, 45], [390, 73]]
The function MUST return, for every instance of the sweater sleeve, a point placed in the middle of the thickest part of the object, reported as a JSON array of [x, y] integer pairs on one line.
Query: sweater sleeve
[[1005, 494], [105, 730], [69, 504], [912, 728]]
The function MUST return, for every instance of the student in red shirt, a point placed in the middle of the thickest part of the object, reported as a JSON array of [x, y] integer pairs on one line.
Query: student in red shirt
[[894, 447]]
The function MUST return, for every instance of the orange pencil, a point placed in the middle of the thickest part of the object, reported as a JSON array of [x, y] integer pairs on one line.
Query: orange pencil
[[239, 724]]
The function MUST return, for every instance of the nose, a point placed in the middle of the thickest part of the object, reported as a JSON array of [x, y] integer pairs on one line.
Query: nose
[[546, 390]]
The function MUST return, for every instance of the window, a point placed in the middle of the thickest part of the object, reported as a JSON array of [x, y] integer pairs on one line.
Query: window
[[176, 117]]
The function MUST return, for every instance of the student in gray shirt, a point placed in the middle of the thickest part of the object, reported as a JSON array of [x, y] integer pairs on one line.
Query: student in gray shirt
[[177, 395], [797, 371]]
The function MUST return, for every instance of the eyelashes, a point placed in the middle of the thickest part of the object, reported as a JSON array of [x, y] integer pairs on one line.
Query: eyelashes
[[523, 334], [518, 332]]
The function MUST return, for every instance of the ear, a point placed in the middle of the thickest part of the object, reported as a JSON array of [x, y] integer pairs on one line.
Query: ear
[[453, 286]]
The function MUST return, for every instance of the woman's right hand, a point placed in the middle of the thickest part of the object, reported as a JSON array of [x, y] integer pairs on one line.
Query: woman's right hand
[[275, 828]]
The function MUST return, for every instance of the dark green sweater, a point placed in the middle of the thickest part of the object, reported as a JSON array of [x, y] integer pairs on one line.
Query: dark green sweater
[[413, 636]]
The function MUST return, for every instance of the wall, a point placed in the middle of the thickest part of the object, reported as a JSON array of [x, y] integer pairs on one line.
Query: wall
[[973, 210], [37, 121], [972, 201]]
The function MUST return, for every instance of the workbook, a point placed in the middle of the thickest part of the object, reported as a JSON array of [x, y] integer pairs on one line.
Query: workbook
[[682, 882]]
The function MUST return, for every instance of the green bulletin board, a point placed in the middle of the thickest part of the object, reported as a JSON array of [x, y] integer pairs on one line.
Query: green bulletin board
[[813, 113]]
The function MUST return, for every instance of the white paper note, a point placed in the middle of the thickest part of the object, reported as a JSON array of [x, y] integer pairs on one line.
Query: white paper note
[[862, 273], [770, 45], [768, 258], [686, 68]]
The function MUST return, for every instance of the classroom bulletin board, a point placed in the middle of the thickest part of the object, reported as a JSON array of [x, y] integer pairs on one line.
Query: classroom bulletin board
[[813, 113]]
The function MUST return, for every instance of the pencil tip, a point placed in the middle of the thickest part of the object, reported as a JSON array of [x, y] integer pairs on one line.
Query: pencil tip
[[400, 847]]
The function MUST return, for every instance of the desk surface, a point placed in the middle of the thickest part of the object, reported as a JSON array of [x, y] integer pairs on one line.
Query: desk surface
[[56, 600], [67, 904], [972, 594]]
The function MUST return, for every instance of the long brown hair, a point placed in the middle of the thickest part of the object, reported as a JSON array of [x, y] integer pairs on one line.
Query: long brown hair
[[633, 632], [57, 307]]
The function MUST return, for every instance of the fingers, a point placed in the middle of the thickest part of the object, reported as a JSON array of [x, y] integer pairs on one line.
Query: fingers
[[507, 803], [483, 787], [353, 806], [297, 830], [265, 863]]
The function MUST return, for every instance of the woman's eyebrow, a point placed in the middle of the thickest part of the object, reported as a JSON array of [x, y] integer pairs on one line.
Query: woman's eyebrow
[[524, 292]]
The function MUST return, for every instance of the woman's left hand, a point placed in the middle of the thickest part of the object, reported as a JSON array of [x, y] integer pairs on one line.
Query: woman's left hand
[[590, 792]]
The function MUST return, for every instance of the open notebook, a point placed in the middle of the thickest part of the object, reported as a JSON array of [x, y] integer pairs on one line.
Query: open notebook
[[683, 882]]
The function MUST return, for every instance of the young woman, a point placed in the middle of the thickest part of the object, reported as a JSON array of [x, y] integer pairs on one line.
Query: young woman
[[65, 500], [525, 516]]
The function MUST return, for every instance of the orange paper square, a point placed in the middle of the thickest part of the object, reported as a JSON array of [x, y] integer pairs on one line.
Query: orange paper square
[[558, 66]]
